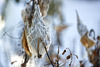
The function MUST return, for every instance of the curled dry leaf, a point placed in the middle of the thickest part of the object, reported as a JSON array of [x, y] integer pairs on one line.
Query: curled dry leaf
[[86, 41]]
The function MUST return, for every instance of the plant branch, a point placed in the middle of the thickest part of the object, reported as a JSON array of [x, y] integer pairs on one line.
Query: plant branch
[[46, 52]]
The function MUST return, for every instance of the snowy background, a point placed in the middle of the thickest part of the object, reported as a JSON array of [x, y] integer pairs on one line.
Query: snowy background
[[11, 48]]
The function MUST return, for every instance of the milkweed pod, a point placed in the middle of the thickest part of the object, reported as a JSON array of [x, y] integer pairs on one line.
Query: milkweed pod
[[82, 29], [37, 30]]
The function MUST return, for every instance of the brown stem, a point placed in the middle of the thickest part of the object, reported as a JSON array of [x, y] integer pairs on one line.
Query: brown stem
[[92, 31], [58, 58], [47, 52], [39, 56]]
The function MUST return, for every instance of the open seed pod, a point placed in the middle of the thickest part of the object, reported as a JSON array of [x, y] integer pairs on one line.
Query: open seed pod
[[36, 32], [82, 29]]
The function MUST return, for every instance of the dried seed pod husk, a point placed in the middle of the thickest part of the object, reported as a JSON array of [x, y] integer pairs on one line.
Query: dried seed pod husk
[[82, 29], [44, 6], [25, 44], [37, 30]]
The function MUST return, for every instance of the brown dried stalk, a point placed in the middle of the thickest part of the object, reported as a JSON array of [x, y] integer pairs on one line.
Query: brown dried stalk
[[39, 55], [90, 33], [58, 58], [32, 12], [46, 51]]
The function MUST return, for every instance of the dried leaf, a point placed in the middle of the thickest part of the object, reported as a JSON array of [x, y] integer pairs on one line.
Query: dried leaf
[[86, 41], [60, 28]]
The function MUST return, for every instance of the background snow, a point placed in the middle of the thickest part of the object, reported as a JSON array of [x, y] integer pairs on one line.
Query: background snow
[[88, 12]]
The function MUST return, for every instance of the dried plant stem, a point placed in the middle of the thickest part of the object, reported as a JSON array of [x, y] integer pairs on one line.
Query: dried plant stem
[[32, 12], [92, 31], [38, 47], [39, 56], [58, 58], [5, 32], [69, 50], [64, 61], [46, 52], [10, 35]]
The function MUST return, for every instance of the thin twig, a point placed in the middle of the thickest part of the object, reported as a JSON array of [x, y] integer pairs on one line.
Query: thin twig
[[69, 50], [13, 62], [47, 52], [64, 63], [58, 58], [92, 31], [32, 12], [39, 56], [10, 35], [5, 32], [38, 47]]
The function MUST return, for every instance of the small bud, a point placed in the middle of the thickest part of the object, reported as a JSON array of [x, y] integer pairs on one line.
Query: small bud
[[63, 52]]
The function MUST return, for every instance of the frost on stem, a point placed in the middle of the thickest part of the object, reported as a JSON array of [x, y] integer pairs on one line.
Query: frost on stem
[[37, 30]]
